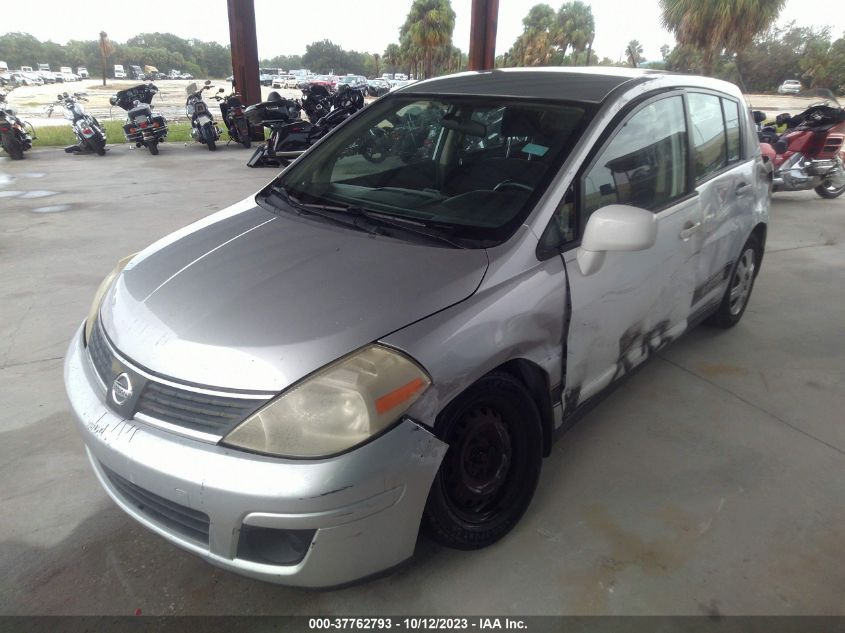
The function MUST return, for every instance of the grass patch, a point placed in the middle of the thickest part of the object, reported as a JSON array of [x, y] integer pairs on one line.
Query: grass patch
[[62, 135]]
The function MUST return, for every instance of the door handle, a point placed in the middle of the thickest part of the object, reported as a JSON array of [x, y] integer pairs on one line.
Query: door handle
[[689, 229], [742, 187]]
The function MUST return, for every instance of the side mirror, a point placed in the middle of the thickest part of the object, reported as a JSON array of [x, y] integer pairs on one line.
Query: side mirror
[[222, 90], [615, 228], [208, 82], [759, 116]]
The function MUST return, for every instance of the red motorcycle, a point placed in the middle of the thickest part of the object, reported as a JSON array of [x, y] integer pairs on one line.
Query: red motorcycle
[[810, 154]]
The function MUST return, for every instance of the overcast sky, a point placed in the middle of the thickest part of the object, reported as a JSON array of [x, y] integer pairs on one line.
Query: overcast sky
[[285, 27]]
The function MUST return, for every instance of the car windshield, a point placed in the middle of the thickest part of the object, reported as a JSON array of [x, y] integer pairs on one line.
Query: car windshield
[[469, 166]]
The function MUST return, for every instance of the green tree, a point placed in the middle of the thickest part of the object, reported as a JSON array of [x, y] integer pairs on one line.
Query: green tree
[[634, 53], [430, 24], [575, 27], [716, 25]]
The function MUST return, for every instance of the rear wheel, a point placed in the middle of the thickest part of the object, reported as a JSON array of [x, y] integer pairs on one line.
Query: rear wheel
[[99, 146], [13, 148], [208, 133], [492, 466], [153, 147], [738, 292], [829, 188]]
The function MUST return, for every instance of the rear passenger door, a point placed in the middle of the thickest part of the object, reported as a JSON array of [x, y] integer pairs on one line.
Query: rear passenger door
[[636, 301], [724, 179]]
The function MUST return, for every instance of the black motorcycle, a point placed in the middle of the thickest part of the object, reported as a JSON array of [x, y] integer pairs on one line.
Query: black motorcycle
[[232, 111], [203, 128], [13, 135], [289, 134], [90, 135], [143, 126]]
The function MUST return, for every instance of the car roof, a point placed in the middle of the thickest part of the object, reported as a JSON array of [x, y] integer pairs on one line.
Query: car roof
[[592, 84]]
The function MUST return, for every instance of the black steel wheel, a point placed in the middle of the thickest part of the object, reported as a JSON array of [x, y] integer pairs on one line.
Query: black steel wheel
[[490, 471], [741, 283]]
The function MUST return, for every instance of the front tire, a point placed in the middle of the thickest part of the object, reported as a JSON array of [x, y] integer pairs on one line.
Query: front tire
[[491, 469], [741, 283]]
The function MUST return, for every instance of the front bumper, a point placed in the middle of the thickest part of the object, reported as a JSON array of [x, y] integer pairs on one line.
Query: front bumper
[[364, 506]]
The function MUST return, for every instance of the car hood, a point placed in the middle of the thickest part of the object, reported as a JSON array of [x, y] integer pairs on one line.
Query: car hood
[[249, 300]]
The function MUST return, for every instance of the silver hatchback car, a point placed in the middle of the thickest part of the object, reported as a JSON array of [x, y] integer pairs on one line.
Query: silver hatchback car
[[388, 335]]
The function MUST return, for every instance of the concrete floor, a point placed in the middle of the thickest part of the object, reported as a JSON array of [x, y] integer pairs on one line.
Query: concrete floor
[[710, 482]]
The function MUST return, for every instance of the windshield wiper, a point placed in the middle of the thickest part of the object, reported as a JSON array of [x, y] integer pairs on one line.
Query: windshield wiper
[[410, 225], [301, 208]]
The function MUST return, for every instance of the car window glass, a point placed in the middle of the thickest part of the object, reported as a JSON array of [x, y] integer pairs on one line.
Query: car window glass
[[644, 165], [708, 134], [468, 162], [731, 110]]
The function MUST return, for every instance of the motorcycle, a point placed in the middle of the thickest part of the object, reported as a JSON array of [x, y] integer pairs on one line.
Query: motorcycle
[[143, 126], [810, 154], [91, 136], [203, 128], [290, 135], [13, 135], [409, 138], [232, 111]]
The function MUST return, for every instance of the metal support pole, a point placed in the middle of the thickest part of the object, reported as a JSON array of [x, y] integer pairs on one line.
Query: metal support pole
[[245, 54], [482, 34]]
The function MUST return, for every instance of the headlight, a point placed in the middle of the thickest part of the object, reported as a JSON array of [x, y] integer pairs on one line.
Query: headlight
[[101, 292], [336, 408]]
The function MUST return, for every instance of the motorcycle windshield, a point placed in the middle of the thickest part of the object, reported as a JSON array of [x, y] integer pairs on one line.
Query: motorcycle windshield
[[816, 97]]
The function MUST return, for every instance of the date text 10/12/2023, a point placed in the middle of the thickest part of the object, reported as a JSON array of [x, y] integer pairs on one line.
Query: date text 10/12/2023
[[417, 623]]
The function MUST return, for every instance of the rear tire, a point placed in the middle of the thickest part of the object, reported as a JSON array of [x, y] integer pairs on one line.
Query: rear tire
[[208, 133], [153, 147], [13, 148], [491, 469], [100, 146], [826, 189], [741, 283]]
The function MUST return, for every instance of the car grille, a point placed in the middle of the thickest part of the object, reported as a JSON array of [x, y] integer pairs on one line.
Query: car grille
[[101, 355], [197, 411], [188, 522], [179, 406]]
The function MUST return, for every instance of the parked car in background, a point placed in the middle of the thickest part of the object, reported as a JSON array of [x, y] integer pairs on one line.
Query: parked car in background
[[290, 81], [119, 73], [377, 87], [282, 81], [68, 74], [327, 81], [47, 76], [82, 71], [27, 77], [356, 82], [790, 87], [416, 328]]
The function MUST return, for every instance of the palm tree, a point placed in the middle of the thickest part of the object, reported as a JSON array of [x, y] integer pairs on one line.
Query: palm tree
[[575, 27], [430, 24], [392, 56], [716, 25], [634, 51]]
